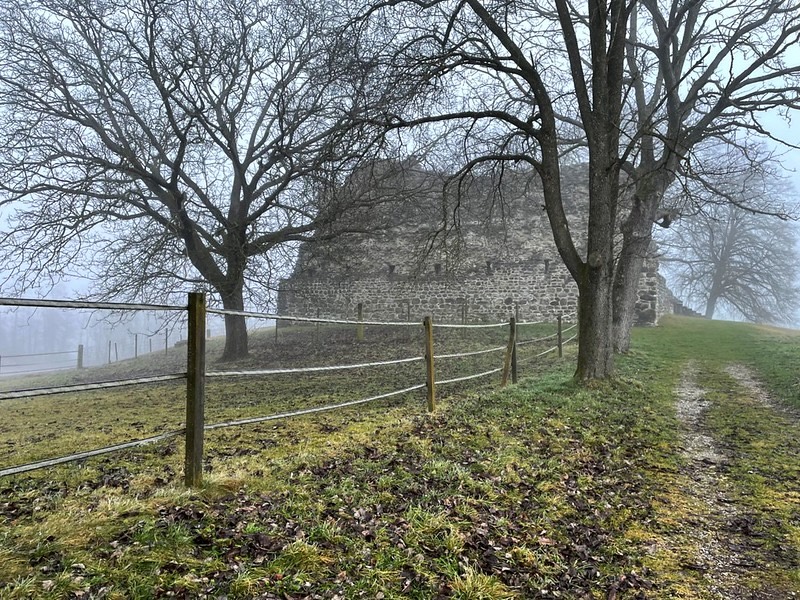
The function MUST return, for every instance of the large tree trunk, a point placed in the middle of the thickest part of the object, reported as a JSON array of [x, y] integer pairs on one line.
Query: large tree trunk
[[637, 235], [235, 325], [595, 348], [595, 281], [711, 306]]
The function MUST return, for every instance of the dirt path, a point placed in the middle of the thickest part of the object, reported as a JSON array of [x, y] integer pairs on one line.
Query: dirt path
[[747, 379], [726, 557]]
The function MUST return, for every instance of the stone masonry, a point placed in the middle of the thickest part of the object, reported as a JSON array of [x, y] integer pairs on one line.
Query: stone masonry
[[479, 253]]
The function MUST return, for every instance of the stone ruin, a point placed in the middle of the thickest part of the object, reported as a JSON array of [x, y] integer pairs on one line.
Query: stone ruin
[[473, 250]]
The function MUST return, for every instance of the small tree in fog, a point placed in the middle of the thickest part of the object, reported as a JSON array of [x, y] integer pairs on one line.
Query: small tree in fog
[[163, 146], [732, 257]]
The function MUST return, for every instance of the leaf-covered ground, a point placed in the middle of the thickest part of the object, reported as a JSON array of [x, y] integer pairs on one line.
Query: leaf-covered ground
[[541, 490]]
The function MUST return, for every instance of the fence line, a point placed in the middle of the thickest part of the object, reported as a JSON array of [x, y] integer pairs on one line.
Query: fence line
[[318, 409], [36, 303], [314, 369], [475, 353], [34, 371], [89, 453], [31, 364], [196, 374], [258, 315], [84, 387], [39, 354], [541, 339], [468, 377], [457, 326]]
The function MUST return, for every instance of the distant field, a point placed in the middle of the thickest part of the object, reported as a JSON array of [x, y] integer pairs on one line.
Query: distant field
[[542, 490]]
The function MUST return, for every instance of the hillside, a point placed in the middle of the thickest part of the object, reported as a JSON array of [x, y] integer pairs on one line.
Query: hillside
[[678, 480]]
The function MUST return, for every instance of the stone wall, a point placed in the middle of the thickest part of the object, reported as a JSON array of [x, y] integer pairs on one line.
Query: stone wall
[[479, 255], [533, 292], [536, 295]]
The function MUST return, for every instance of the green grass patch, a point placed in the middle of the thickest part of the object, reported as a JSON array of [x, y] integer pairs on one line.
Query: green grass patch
[[544, 489]]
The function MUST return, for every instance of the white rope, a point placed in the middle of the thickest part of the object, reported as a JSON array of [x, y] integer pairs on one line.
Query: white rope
[[570, 339], [5, 370], [39, 354], [455, 326], [81, 455], [523, 323], [541, 339], [313, 369], [463, 354], [548, 351], [309, 411], [257, 315], [532, 358], [80, 304], [570, 328], [468, 377], [64, 389]]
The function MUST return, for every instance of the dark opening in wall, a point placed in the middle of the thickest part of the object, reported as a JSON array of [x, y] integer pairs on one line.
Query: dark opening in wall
[[391, 269], [488, 267], [437, 268], [546, 266]]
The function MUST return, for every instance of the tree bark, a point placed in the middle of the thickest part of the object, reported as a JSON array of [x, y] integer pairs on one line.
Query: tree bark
[[637, 235], [595, 284], [235, 325], [595, 348], [711, 305]]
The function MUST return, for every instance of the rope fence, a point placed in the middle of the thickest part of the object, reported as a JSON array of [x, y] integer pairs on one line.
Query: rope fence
[[39, 354], [314, 369], [309, 411], [468, 377], [196, 373], [85, 387], [88, 454]]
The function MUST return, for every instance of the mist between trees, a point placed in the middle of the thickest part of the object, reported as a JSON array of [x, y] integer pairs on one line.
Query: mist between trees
[[735, 251], [158, 147]]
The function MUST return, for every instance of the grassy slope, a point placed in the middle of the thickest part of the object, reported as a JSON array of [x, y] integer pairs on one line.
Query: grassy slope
[[539, 490]]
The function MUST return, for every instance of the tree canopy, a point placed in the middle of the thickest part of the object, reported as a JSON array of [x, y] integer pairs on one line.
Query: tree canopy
[[159, 146]]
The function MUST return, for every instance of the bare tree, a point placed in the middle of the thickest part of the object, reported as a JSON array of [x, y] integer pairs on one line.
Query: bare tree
[[698, 72], [628, 87], [502, 87], [158, 146], [730, 258]]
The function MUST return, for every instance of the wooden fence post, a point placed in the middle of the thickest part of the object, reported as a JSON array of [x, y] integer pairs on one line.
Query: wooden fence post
[[135, 345], [116, 352], [80, 356], [514, 354], [560, 337], [360, 326], [109, 351], [166, 342], [430, 374], [195, 389], [512, 344]]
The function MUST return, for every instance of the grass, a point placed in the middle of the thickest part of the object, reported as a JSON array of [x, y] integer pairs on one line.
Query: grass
[[542, 490]]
